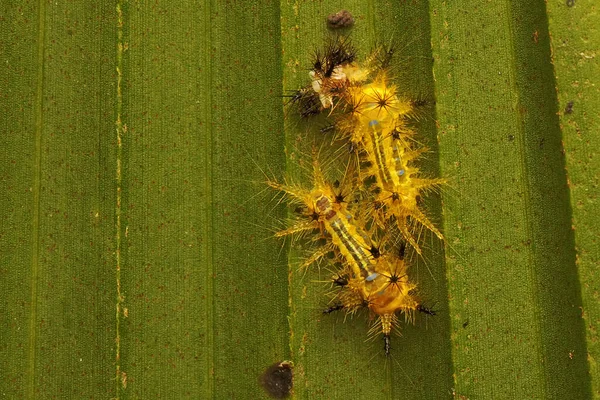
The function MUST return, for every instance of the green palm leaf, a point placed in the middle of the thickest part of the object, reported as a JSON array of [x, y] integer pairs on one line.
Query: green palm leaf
[[137, 259]]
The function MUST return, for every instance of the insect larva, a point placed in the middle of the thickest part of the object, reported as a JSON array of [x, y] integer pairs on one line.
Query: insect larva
[[386, 294], [326, 211], [377, 126], [373, 118], [397, 183]]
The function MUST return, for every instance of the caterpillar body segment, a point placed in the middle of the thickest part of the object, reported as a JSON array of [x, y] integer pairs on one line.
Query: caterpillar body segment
[[386, 291], [379, 101], [397, 184], [333, 70], [377, 126], [351, 245], [326, 211], [388, 294], [375, 101]]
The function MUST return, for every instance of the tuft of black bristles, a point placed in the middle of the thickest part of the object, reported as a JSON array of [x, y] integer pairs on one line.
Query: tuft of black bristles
[[426, 310], [402, 250], [375, 252], [338, 51], [301, 210], [340, 281], [326, 129], [333, 308], [307, 101], [387, 345]]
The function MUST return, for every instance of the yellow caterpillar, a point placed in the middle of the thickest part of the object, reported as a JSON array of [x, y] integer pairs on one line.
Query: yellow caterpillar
[[397, 183], [376, 126], [326, 211], [387, 293], [367, 279], [370, 115]]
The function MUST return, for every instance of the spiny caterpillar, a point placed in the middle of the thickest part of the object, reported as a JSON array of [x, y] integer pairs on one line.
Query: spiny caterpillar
[[333, 71], [385, 186], [371, 115], [369, 278], [326, 210], [388, 156]]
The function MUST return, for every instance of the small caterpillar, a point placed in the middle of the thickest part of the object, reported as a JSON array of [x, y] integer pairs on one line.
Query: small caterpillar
[[368, 278], [326, 211]]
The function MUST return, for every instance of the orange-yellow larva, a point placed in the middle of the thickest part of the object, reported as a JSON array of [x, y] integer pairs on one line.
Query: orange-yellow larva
[[373, 117]]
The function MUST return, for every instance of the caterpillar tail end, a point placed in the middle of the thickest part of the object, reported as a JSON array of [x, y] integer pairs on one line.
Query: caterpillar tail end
[[387, 345]]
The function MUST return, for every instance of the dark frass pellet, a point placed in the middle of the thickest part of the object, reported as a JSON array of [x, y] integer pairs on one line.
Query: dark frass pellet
[[569, 107], [277, 380], [340, 19]]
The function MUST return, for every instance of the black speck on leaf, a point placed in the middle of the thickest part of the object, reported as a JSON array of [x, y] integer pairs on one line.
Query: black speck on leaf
[[569, 107]]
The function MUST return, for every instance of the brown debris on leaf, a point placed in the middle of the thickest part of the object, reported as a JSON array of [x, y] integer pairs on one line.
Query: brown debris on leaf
[[277, 380], [340, 19]]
